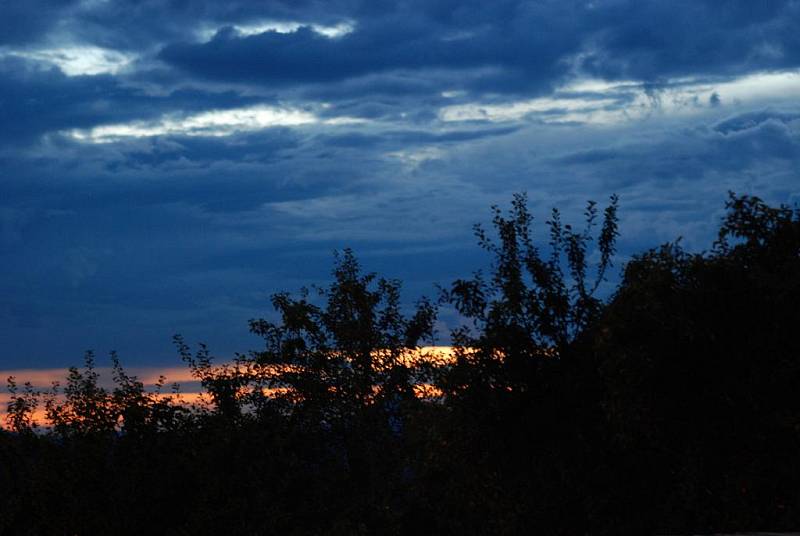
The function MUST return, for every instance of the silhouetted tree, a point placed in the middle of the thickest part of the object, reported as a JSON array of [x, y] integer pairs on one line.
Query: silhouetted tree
[[348, 366], [534, 304], [668, 407], [523, 406], [702, 362], [353, 353], [21, 407]]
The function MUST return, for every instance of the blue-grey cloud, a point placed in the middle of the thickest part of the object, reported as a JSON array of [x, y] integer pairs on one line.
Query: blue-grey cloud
[[35, 101], [520, 46], [165, 166], [24, 22], [655, 40]]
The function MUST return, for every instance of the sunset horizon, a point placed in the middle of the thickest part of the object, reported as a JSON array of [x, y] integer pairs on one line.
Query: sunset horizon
[[395, 267]]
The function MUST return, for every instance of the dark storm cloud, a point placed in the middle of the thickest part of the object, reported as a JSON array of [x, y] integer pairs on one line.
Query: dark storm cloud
[[520, 45], [409, 40], [306, 56], [139, 25], [654, 40], [396, 61]]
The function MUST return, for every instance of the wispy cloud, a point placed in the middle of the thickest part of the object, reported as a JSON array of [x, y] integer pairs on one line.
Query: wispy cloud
[[77, 60], [599, 102], [214, 123], [208, 32]]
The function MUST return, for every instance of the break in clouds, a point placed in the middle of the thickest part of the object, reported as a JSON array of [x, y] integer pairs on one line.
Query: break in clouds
[[165, 166]]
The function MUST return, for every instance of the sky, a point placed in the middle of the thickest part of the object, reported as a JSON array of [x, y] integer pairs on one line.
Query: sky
[[165, 166]]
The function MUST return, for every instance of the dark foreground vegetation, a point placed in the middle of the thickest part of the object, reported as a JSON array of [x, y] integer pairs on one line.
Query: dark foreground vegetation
[[672, 406]]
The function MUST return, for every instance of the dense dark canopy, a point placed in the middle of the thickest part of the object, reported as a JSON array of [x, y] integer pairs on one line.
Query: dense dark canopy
[[669, 407]]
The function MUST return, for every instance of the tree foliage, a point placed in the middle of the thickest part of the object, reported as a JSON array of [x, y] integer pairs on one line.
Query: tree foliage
[[353, 351]]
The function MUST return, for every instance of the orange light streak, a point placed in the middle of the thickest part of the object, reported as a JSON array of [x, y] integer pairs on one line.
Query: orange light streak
[[42, 379]]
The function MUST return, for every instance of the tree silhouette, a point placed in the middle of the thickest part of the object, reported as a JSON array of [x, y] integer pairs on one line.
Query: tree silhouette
[[701, 364], [533, 305], [351, 354], [668, 407], [21, 407]]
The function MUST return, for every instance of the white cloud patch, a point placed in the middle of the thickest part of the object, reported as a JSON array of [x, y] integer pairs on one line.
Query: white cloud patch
[[77, 60], [256, 28], [765, 86], [213, 123], [601, 102], [513, 111], [416, 157]]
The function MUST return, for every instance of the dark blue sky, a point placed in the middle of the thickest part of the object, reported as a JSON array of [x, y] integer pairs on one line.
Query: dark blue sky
[[166, 165]]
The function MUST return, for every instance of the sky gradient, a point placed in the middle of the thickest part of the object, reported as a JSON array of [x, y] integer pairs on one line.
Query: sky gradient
[[165, 166]]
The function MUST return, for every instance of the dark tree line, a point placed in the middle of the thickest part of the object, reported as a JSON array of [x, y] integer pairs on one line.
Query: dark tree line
[[669, 407]]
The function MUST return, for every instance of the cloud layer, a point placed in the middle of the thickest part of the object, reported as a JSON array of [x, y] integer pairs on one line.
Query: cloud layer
[[165, 166]]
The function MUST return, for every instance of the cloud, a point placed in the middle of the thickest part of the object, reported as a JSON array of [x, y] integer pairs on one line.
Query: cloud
[[164, 166], [392, 42], [750, 120], [260, 27], [24, 22], [77, 60], [512, 46], [145, 237], [559, 109], [598, 102], [213, 123], [35, 101]]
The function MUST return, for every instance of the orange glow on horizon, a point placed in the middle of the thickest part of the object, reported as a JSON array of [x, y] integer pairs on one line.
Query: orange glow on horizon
[[42, 380], [40, 414]]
